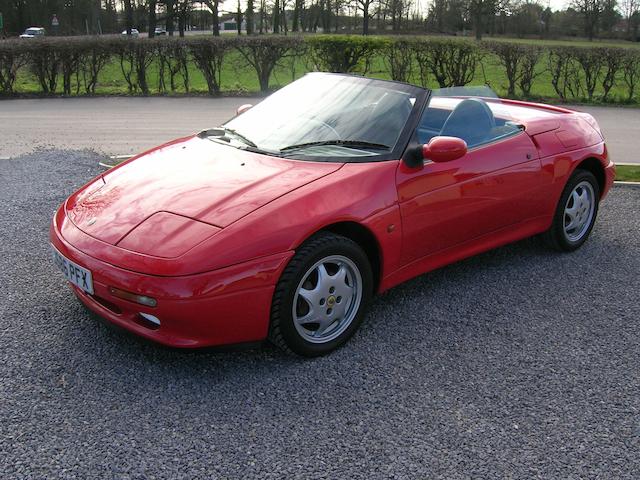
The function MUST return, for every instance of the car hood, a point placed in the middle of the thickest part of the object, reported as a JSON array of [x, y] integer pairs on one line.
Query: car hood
[[195, 179]]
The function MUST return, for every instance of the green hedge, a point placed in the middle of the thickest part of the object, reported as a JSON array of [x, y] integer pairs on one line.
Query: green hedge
[[74, 65]]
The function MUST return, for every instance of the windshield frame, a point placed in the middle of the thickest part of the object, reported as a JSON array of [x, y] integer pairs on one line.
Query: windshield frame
[[421, 95]]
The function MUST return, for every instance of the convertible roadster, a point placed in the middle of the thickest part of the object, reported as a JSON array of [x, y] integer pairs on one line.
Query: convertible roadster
[[282, 223]]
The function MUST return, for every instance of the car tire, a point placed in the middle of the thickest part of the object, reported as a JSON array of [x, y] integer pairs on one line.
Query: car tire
[[575, 213], [330, 283]]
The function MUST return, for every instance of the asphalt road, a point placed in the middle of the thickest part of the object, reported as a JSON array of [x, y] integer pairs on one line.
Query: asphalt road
[[123, 126], [519, 363], [109, 125]]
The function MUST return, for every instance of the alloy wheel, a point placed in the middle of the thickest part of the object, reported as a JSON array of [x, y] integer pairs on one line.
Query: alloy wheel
[[327, 299], [578, 211]]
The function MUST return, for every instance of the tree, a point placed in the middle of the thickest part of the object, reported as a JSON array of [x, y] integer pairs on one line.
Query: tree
[[170, 5], [239, 18], [249, 16], [128, 9], [590, 10], [184, 8], [396, 10], [546, 16], [479, 10], [437, 15], [526, 18], [276, 17], [298, 7], [609, 16], [366, 7], [152, 18], [629, 8], [214, 6]]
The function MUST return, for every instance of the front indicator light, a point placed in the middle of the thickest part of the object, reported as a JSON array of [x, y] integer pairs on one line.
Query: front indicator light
[[133, 297]]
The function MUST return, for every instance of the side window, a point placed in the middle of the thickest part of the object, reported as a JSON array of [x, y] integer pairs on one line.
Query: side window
[[471, 120], [431, 123]]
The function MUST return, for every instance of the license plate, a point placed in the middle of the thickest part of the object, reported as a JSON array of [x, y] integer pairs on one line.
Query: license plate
[[74, 273]]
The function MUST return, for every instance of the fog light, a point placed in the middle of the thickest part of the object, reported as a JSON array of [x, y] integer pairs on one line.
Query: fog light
[[133, 297]]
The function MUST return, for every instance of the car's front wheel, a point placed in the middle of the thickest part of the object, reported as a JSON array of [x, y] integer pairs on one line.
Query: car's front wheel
[[322, 296], [576, 212]]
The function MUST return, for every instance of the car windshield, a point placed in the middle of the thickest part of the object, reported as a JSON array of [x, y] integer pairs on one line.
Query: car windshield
[[329, 115], [32, 31]]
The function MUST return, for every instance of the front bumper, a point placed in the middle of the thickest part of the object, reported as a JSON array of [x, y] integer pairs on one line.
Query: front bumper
[[225, 306]]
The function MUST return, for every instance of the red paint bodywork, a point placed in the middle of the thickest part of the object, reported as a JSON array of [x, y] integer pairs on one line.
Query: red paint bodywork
[[207, 229]]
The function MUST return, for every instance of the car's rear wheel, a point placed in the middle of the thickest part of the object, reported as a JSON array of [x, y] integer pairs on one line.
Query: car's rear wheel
[[322, 296], [575, 214]]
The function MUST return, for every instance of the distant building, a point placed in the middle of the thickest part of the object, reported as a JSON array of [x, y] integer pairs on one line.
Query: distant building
[[228, 23]]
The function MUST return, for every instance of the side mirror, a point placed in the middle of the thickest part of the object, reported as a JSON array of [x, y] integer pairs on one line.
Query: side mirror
[[243, 108], [439, 149]]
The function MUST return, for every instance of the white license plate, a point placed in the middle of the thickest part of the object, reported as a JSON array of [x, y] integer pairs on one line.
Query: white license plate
[[80, 277]]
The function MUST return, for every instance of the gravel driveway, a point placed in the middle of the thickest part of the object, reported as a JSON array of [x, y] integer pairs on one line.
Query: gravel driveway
[[519, 363]]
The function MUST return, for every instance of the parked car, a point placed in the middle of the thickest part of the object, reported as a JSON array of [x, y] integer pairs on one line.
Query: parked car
[[33, 32], [286, 220], [160, 31], [134, 33]]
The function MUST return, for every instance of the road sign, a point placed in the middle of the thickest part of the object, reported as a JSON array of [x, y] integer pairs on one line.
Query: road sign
[[54, 21]]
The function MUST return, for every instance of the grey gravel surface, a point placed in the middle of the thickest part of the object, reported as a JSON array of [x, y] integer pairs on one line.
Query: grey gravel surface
[[519, 363]]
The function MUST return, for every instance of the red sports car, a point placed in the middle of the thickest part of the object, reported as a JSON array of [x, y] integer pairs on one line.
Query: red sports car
[[283, 223]]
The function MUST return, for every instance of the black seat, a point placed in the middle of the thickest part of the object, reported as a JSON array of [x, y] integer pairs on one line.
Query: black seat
[[472, 120]]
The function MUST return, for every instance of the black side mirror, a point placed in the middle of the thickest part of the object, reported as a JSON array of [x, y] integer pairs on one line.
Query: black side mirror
[[413, 156]]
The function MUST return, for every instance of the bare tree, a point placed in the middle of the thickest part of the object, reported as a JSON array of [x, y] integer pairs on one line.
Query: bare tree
[[276, 16], [249, 16], [367, 7], [128, 9], [152, 18], [591, 10], [298, 7], [629, 8], [214, 6], [479, 11], [184, 8], [239, 16]]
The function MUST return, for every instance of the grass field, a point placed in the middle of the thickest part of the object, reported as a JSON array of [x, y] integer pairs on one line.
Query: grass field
[[574, 42], [628, 173], [238, 78]]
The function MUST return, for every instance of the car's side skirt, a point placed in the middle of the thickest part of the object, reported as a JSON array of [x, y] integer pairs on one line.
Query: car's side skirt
[[473, 247]]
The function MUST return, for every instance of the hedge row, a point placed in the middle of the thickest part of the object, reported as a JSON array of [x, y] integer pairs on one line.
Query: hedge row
[[73, 64]]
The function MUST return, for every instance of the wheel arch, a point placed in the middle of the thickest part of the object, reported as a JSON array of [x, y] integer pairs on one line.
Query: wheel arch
[[593, 165], [361, 235]]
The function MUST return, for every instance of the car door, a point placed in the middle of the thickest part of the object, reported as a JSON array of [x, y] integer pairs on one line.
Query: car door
[[494, 186]]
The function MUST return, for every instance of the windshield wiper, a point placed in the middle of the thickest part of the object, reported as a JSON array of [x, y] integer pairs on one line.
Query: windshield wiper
[[242, 138], [222, 132], [340, 143]]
